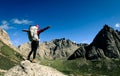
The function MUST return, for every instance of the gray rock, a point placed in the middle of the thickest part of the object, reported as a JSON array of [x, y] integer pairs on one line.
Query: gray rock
[[80, 52], [27, 68]]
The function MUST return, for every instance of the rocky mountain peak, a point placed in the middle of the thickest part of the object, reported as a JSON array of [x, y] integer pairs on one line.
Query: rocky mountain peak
[[105, 44], [108, 40]]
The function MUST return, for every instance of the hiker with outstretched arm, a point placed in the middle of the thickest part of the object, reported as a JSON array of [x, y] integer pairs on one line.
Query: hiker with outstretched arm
[[33, 35]]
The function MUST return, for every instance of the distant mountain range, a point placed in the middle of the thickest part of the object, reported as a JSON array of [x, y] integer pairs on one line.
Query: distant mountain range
[[55, 49]]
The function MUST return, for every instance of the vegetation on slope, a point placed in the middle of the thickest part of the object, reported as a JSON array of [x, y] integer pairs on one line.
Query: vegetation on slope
[[8, 57], [103, 67]]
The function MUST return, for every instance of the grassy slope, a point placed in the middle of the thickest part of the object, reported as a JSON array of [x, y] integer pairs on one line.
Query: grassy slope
[[86, 68], [8, 57], [1, 74]]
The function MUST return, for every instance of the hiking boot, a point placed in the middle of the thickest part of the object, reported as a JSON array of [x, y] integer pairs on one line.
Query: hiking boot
[[33, 61]]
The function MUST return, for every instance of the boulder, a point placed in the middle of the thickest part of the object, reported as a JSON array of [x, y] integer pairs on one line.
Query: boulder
[[26, 68]]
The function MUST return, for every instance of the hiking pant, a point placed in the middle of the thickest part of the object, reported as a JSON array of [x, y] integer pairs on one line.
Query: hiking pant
[[34, 46]]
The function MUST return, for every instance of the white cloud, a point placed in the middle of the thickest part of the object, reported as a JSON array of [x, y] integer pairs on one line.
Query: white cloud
[[5, 25], [117, 25], [23, 21]]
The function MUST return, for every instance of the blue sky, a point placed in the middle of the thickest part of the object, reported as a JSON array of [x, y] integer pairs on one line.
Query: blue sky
[[77, 20]]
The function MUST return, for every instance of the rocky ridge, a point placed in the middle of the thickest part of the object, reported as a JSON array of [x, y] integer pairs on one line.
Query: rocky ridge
[[55, 49]]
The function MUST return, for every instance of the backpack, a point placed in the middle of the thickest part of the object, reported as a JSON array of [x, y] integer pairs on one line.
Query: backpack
[[32, 33], [29, 34]]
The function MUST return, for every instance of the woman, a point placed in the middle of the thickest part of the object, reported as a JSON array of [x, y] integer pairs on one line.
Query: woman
[[33, 35]]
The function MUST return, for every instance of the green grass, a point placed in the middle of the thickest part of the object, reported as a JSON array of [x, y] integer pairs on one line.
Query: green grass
[[85, 67], [8, 57], [67, 67], [10, 53], [6, 63], [1, 74]]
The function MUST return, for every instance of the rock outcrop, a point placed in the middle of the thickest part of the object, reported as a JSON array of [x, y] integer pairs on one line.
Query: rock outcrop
[[26, 68], [4, 37], [105, 44], [55, 49]]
